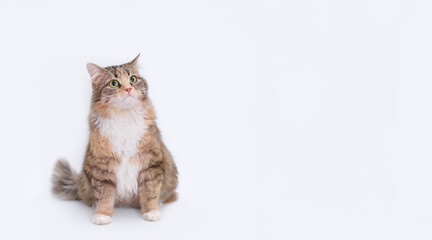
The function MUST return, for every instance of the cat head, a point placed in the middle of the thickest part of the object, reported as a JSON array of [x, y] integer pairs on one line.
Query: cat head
[[118, 86]]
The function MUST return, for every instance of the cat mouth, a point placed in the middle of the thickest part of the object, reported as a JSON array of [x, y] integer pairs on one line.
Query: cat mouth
[[129, 96], [127, 101]]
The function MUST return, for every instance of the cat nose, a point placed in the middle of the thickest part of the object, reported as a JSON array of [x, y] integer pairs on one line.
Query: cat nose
[[128, 89]]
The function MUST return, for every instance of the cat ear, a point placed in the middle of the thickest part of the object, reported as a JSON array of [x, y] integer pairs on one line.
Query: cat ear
[[95, 71], [134, 61]]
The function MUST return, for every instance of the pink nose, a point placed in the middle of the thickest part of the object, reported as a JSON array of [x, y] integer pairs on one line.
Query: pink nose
[[128, 90]]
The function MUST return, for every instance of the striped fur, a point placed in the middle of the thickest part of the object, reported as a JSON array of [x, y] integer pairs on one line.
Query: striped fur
[[126, 162]]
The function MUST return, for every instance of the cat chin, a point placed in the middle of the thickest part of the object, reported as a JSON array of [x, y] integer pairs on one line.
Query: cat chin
[[127, 102]]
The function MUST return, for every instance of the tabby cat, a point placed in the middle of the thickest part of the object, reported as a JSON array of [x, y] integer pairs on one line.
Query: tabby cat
[[126, 162]]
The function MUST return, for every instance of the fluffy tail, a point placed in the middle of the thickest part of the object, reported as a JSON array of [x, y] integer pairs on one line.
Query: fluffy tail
[[65, 181]]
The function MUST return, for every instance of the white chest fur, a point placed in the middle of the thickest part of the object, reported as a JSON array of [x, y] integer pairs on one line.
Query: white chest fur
[[124, 131]]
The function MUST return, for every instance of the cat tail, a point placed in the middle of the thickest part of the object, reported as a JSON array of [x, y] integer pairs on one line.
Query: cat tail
[[65, 181]]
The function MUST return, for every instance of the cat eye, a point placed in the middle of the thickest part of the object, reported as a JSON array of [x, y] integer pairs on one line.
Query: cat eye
[[133, 79], [114, 83]]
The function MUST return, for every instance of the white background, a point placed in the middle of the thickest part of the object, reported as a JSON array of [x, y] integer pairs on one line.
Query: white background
[[287, 119]]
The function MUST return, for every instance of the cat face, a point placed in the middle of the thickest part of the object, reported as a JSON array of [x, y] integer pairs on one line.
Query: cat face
[[117, 86]]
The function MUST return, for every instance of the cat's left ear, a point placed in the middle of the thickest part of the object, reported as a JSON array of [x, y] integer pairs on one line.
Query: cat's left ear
[[134, 61]]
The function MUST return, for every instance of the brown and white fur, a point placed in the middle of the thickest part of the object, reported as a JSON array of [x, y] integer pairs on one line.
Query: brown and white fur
[[126, 162]]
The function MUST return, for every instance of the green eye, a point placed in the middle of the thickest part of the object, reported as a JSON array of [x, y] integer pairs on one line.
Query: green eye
[[133, 79], [114, 83]]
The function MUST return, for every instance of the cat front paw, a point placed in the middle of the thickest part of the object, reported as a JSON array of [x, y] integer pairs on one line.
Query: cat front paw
[[153, 215], [101, 219]]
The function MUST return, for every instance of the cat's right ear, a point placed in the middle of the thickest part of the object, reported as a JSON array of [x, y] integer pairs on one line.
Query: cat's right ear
[[95, 71]]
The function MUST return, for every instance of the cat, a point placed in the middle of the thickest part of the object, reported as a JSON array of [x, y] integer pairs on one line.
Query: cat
[[126, 162]]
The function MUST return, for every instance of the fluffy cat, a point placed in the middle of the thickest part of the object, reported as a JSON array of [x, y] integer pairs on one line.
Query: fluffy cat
[[126, 162]]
